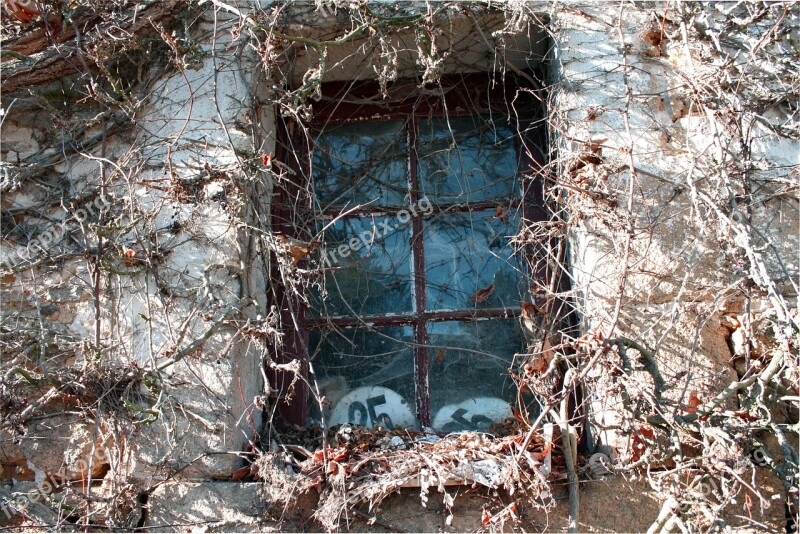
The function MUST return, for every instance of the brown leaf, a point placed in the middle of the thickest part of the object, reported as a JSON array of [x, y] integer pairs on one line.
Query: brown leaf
[[639, 442], [482, 295], [517, 414], [440, 357], [333, 468], [539, 362], [297, 251], [486, 517], [536, 366], [747, 416], [529, 309], [587, 159], [539, 456], [22, 11], [501, 214], [694, 402], [294, 247], [240, 473], [596, 145], [547, 351]]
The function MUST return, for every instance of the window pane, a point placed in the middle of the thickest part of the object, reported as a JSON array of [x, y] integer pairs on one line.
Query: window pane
[[469, 262], [467, 159], [357, 366], [368, 267], [361, 163], [469, 383]]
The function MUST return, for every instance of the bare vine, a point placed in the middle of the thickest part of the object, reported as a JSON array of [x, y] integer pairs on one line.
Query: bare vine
[[112, 198]]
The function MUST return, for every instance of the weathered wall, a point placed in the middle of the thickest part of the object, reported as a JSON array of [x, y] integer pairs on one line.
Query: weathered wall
[[144, 327], [173, 387]]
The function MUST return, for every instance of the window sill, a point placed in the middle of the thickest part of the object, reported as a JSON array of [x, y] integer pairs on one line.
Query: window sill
[[490, 472]]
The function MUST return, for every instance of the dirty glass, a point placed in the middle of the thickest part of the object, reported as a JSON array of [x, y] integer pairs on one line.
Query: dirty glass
[[361, 164], [469, 261], [367, 262], [467, 170], [467, 159], [469, 384], [360, 361]]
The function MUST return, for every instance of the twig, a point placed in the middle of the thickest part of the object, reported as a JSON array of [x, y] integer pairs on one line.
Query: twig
[[373, 520], [667, 512], [568, 443], [196, 344]]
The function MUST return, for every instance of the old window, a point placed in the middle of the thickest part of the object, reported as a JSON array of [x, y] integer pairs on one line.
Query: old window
[[417, 196]]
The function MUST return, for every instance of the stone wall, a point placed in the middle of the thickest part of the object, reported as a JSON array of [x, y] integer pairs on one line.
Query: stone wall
[[137, 334]]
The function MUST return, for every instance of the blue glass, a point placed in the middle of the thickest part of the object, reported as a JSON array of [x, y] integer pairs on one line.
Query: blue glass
[[361, 164], [469, 261], [468, 372], [367, 262], [467, 159]]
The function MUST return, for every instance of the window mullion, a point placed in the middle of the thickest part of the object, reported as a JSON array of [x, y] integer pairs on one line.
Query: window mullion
[[423, 402]]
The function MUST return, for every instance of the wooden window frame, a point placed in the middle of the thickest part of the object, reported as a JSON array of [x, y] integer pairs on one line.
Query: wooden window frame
[[343, 102]]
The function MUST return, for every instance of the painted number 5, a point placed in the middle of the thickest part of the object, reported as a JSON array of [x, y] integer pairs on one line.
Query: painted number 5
[[366, 416], [368, 406]]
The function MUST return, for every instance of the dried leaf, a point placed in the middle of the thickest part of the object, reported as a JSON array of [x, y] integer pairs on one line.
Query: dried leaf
[[486, 517], [333, 468], [596, 145], [440, 357], [529, 309], [547, 351], [337, 455], [294, 247], [482, 295], [639, 442], [591, 339], [539, 456], [536, 366], [589, 159], [694, 402], [240, 473], [500, 214], [518, 415], [747, 416], [22, 11], [297, 251]]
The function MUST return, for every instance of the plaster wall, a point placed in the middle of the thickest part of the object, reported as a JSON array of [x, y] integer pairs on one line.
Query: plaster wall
[[199, 134]]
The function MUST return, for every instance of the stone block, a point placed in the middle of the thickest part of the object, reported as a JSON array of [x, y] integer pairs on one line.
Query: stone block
[[207, 507]]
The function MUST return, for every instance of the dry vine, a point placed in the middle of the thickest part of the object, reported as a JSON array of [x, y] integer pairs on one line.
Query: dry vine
[[89, 76]]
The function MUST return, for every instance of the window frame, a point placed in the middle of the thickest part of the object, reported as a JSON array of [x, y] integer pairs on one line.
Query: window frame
[[344, 102]]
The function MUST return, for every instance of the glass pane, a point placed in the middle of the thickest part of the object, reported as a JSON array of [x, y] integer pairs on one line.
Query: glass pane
[[368, 268], [467, 159], [366, 375], [361, 163], [469, 383], [469, 262]]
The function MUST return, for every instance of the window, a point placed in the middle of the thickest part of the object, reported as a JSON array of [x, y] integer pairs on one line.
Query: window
[[417, 198]]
